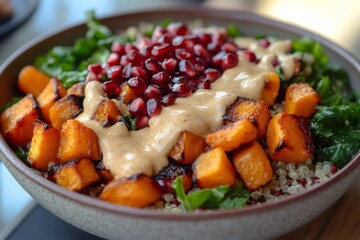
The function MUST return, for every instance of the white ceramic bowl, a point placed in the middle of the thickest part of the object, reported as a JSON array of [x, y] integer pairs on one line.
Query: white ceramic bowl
[[116, 222]]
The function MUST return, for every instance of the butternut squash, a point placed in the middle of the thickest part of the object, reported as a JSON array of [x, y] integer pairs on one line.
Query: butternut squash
[[271, 88], [68, 107], [78, 89], [213, 168], [31, 80], [137, 191], [257, 111], [127, 95], [104, 172], [17, 121], [77, 141], [301, 99], [187, 148], [253, 165], [230, 137], [74, 175], [107, 113], [44, 146], [289, 138], [53, 91]]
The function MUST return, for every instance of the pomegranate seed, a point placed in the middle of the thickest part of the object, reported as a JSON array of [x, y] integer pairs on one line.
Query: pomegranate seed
[[113, 59], [205, 39], [168, 99], [181, 89], [152, 66], [193, 37], [153, 107], [265, 43], [183, 54], [177, 29], [137, 84], [115, 73], [139, 72], [278, 193], [161, 51], [175, 201], [118, 48], [164, 185], [275, 61], [130, 46], [166, 38], [124, 60], [146, 51], [206, 84], [302, 181], [212, 74], [252, 201], [213, 47], [229, 47], [152, 91], [135, 57], [127, 71], [161, 78], [187, 68], [314, 180], [95, 68], [250, 56], [142, 42], [333, 169], [199, 66], [158, 32], [90, 77], [178, 79], [111, 88], [141, 122], [137, 107], [217, 59], [229, 60], [200, 51], [169, 64], [182, 42]]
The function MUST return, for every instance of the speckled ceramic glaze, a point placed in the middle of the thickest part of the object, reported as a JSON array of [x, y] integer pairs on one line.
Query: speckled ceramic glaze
[[115, 222]]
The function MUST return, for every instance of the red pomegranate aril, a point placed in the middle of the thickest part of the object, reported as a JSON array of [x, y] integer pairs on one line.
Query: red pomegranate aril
[[130, 46], [165, 38], [212, 74], [183, 54], [201, 51], [278, 193], [161, 51], [187, 68], [169, 64], [205, 39], [178, 79], [302, 181], [199, 66], [164, 185], [206, 84], [161, 78], [111, 88], [127, 71], [250, 56], [275, 61], [139, 72], [168, 99], [218, 58], [158, 32], [333, 169], [194, 82], [135, 57], [152, 66], [177, 29], [229, 47], [137, 107], [229, 60], [152, 91], [182, 42], [118, 48], [142, 42], [95, 68], [113, 59], [137, 84], [193, 37], [213, 47], [181, 89], [115, 73], [124, 60], [153, 107], [146, 51], [265, 43], [141, 122], [90, 77]]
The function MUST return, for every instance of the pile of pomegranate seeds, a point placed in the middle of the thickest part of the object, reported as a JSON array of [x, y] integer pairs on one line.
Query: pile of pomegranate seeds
[[174, 63]]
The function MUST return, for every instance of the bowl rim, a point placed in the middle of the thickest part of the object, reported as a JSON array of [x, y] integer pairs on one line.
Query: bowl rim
[[235, 15]]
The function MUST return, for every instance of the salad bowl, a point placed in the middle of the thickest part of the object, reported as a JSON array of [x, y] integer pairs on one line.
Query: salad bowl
[[265, 221]]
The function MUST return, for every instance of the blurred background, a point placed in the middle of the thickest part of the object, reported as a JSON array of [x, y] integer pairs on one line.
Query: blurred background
[[339, 21]]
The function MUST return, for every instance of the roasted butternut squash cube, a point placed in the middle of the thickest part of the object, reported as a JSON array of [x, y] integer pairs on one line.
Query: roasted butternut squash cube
[[44, 146], [68, 107], [137, 191], [271, 88], [289, 138], [31, 80], [166, 177], [127, 95], [253, 165], [301, 99], [74, 175], [231, 136], [53, 91], [213, 168], [78, 89], [187, 148], [104, 172], [77, 141], [107, 113], [17, 121], [257, 111]]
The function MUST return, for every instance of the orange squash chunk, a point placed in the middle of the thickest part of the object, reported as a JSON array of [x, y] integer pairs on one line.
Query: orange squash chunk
[[253, 165], [77, 141], [127, 95], [53, 91], [44, 146], [257, 111], [271, 88], [17, 121], [166, 177], [137, 191], [104, 172], [68, 107], [187, 148], [74, 175], [289, 138], [78, 89], [32, 80], [107, 112], [301, 99], [231, 136], [213, 168]]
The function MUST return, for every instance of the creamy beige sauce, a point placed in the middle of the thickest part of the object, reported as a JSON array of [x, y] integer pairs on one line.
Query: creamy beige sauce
[[126, 153]]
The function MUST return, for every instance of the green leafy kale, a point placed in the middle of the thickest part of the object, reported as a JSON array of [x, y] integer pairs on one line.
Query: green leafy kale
[[336, 132], [234, 31], [129, 122], [222, 197], [22, 154]]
